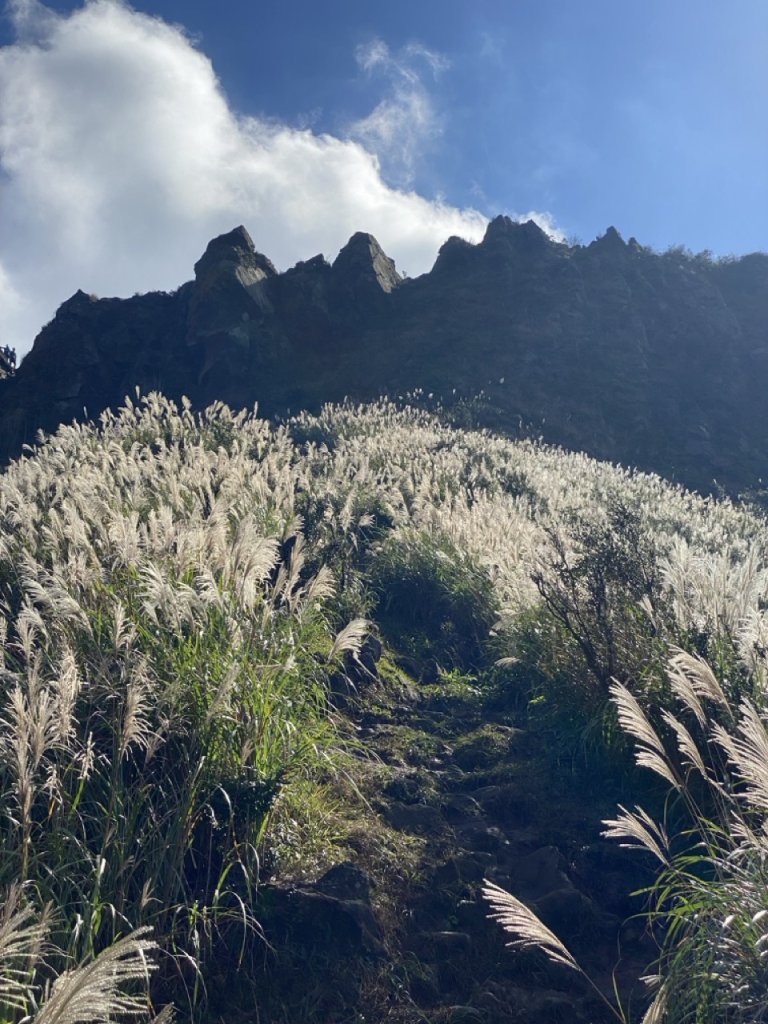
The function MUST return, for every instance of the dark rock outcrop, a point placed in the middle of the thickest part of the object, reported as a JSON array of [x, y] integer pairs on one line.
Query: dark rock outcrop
[[657, 361]]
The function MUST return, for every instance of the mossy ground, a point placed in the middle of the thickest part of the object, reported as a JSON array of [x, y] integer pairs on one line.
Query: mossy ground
[[444, 785]]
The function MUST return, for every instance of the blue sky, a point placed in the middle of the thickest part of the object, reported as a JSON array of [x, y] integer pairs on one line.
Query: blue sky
[[412, 120]]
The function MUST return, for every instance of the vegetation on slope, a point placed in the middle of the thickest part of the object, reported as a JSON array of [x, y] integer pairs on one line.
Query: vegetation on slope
[[186, 599]]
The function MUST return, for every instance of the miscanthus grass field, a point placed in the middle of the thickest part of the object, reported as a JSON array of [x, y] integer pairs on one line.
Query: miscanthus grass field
[[177, 593]]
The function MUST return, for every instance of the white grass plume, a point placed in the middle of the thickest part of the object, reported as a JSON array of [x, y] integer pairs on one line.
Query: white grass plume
[[97, 992], [22, 936], [66, 686], [350, 639], [656, 1012], [688, 672], [690, 753], [642, 831], [633, 720], [524, 927], [136, 727], [747, 752]]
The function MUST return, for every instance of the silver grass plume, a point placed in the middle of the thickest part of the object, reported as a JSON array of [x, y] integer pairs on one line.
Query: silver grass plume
[[689, 751], [747, 751], [650, 750], [321, 586], [136, 728], [95, 992], [527, 931], [657, 1010], [698, 674], [642, 831], [350, 638], [66, 687], [220, 704], [22, 938], [683, 689]]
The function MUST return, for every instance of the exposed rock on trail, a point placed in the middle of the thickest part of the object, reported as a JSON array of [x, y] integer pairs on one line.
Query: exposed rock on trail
[[471, 796]]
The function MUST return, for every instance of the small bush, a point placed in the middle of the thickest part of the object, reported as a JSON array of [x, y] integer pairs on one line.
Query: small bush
[[603, 592], [434, 601], [603, 616]]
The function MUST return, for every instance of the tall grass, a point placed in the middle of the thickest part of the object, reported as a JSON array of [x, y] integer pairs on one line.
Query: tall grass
[[709, 904], [110, 985], [708, 907], [176, 590], [164, 674]]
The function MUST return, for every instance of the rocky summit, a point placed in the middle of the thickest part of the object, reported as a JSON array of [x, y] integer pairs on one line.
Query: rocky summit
[[658, 361]]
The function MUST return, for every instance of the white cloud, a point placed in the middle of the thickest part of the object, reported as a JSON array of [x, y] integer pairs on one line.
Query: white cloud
[[545, 221], [120, 158], [400, 128], [31, 19], [10, 300]]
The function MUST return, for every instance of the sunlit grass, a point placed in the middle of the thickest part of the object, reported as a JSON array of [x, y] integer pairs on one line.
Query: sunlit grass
[[178, 591]]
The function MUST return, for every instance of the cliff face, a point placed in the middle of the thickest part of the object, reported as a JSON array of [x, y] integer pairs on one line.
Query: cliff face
[[657, 361]]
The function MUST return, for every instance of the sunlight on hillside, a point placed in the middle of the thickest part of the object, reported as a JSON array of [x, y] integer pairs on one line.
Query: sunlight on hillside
[[192, 605]]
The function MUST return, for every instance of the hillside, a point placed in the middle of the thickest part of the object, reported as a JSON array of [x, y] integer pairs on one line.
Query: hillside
[[658, 361], [288, 694]]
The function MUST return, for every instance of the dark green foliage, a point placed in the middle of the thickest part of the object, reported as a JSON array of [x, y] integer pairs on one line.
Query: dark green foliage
[[434, 601], [606, 596], [602, 616], [341, 526]]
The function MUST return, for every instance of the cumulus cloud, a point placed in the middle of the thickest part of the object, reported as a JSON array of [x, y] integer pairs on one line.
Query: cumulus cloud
[[120, 158]]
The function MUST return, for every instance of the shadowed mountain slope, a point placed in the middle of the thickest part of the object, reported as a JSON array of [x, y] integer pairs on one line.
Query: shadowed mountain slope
[[657, 361]]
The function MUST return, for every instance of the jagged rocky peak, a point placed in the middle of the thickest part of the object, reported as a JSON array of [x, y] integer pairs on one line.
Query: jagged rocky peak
[[317, 264], [234, 252], [505, 234], [80, 300], [503, 238], [610, 242], [363, 259], [453, 255], [231, 285]]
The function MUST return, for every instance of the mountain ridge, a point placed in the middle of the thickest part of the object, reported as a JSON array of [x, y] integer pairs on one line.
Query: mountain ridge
[[653, 360]]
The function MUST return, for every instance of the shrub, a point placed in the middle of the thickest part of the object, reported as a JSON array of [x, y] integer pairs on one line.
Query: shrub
[[602, 590], [603, 615], [433, 600]]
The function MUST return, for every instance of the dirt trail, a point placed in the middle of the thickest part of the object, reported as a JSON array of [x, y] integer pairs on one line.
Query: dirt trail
[[467, 788]]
